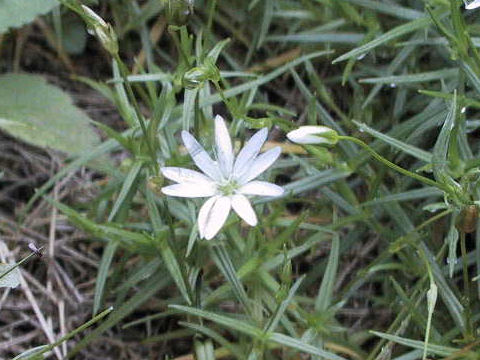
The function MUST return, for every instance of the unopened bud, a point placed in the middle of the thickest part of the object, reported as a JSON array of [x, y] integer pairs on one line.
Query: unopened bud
[[313, 135], [432, 294], [472, 4], [178, 11], [195, 77], [103, 30]]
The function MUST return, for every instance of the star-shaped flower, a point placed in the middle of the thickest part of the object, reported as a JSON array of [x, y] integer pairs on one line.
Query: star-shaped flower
[[225, 181]]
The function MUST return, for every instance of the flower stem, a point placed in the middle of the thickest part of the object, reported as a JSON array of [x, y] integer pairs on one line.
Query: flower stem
[[395, 167], [70, 335], [124, 73], [466, 285]]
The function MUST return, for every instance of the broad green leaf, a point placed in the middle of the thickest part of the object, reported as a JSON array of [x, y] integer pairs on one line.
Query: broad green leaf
[[9, 277], [43, 115], [14, 14], [74, 36]]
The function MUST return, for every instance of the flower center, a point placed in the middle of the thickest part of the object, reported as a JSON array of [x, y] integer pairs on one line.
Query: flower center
[[228, 188]]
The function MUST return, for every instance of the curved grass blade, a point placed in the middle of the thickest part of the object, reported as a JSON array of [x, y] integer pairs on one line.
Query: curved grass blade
[[105, 263], [415, 344], [388, 36]]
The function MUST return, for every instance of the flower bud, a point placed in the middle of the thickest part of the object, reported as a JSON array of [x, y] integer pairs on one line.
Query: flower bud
[[103, 30], [178, 11], [195, 77], [472, 4], [313, 135], [432, 294]]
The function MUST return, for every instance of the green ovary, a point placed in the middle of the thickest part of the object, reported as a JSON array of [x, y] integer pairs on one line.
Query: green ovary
[[228, 188]]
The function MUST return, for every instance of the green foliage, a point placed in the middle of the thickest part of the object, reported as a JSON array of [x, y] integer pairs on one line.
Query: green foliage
[[17, 13], [9, 276], [74, 36], [43, 115], [387, 217]]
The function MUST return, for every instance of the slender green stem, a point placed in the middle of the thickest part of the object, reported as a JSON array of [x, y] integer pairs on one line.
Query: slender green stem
[[133, 101], [211, 11], [223, 97], [395, 167], [2, 275], [466, 284], [71, 334], [463, 249]]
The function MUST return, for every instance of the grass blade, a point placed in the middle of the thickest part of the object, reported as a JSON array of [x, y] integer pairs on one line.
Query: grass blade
[[388, 36], [324, 297], [103, 269]]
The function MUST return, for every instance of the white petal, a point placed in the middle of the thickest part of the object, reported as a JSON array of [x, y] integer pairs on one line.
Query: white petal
[[191, 190], [242, 207], [473, 5], [249, 152], [260, 164], [261, 188], [310, 135], [216, 217], [224, 146], [200, 156], [182, 175], [203, 215]]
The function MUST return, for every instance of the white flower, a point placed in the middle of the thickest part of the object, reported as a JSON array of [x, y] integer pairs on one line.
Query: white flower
[[226, 181], [472, 5], [313, 135]]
